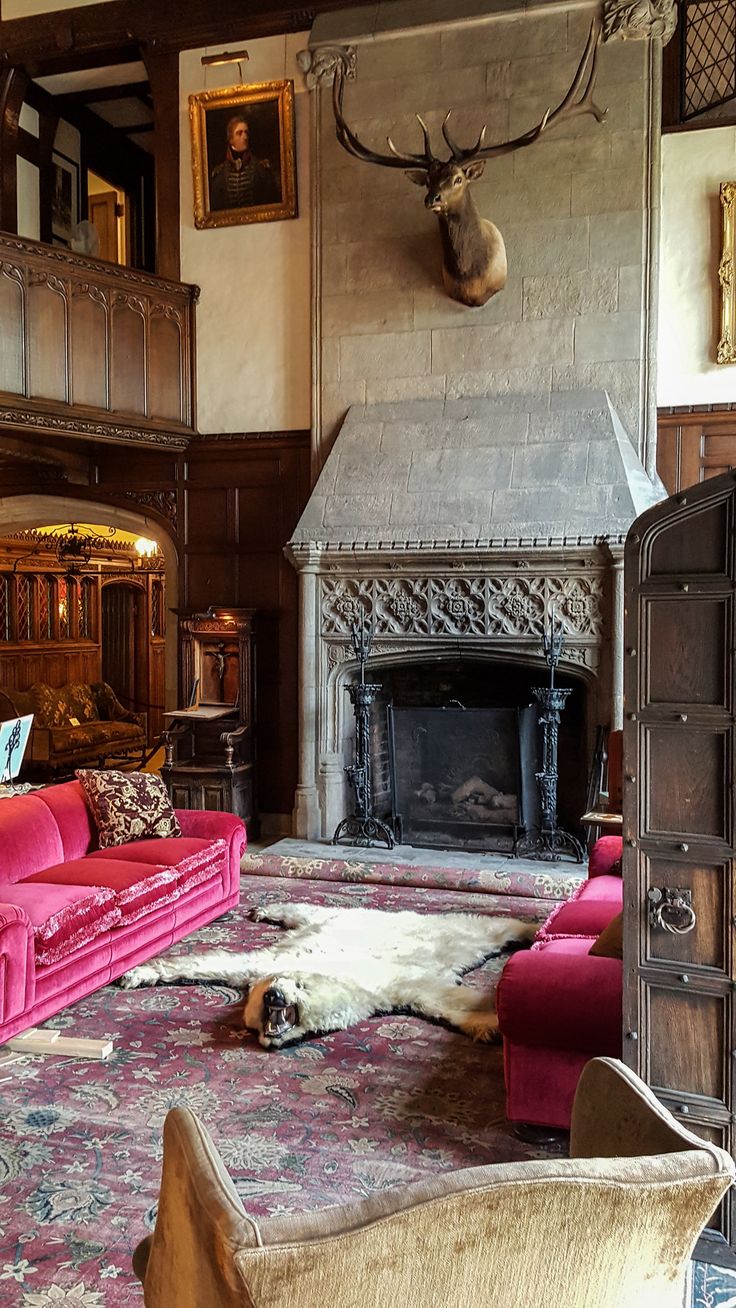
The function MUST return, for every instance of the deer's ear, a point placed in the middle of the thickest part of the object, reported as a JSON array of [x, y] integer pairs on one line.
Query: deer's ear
[[475, 170], [417, 175]]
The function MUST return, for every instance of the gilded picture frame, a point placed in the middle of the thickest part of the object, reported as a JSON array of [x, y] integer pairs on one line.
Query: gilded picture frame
[[244, 154], [726, 352]]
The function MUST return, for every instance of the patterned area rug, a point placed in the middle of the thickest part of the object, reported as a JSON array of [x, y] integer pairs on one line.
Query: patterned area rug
[[388, 1101]]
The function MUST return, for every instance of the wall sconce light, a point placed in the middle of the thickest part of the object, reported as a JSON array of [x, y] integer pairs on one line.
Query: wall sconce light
[[226, 57]]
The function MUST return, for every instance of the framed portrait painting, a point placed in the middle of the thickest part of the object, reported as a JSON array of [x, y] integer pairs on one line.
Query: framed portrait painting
[[64, 198], [243, 154]]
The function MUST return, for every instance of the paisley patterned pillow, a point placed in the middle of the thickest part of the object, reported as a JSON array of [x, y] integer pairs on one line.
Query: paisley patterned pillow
[[128, 806]]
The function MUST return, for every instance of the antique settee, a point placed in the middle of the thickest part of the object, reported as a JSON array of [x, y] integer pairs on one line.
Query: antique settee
[[558, 1004], [103, 728], [74, 917], [611, 1226]]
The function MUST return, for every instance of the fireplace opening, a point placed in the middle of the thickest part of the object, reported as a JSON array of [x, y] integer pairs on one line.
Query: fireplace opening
[[455, 748]]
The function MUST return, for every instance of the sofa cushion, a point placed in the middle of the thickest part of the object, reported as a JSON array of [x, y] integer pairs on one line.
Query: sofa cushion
[[29, 837], [128, 805], [63, 917], [92, 734], [72, 816], [192, 859], [138, 886], [605, 856]]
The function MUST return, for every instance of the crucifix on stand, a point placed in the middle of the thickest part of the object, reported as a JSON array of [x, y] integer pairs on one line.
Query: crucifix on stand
[[219, 656]]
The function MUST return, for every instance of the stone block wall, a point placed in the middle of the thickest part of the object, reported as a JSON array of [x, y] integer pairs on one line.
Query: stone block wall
[[572, 209]]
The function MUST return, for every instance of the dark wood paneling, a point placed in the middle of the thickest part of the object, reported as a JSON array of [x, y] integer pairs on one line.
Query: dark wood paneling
[[73, 320], [689, 667], [679, 744], [693, 446], [243, 499], [694, 800]]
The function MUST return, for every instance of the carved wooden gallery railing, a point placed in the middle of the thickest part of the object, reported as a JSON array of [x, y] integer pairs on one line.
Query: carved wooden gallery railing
[[93, 349]]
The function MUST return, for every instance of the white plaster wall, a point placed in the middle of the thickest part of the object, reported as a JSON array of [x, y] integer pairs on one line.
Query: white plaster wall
[[29, 205], [693, 166], [253, 318], [27, 182]]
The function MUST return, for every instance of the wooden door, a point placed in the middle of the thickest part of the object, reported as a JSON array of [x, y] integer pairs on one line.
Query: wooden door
[[679, 836], [692, 447], [124, 643], [103, 216]]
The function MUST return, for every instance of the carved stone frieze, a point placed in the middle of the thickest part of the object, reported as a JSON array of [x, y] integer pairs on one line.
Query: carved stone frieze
[[639, 19], [441, 606], [319, 65]]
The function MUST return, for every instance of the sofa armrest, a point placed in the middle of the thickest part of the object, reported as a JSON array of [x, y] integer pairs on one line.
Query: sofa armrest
[[561, 997], [604, 858], [17, 963], [212, 825]]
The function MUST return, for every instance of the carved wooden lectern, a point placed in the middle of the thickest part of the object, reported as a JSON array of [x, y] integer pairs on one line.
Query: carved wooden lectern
[[210, 744]]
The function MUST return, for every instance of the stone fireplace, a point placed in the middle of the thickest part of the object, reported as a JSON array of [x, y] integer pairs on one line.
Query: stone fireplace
[[459, 528], [478, 468]]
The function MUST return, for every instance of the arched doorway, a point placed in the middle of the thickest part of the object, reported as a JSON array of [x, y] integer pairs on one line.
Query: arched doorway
[[27, 511]]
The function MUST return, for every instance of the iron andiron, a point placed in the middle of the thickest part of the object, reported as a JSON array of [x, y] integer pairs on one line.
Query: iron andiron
[[550, 843], [362, 828]]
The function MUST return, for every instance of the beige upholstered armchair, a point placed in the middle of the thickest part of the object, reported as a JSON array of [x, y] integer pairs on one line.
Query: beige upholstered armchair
[[611, 1227]]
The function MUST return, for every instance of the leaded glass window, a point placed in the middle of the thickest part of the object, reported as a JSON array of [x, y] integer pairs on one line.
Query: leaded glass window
[[23, 607], [157, 609], [709, 55], [84, 609], [46, 608]]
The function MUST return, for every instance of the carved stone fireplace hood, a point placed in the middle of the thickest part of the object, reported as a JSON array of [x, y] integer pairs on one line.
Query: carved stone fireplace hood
[[490, 472], [455, 526]]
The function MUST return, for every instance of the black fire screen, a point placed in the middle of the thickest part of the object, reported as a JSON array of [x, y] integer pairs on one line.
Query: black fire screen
[[463, 778]]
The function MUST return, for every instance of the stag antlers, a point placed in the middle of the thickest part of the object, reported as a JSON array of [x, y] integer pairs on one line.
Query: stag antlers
[[578, 100], [474, 256]]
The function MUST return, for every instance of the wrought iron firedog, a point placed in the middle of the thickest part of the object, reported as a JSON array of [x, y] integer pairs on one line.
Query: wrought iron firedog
[[550, 842], [363, 827]]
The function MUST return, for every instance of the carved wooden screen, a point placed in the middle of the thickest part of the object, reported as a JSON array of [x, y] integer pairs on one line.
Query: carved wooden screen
[[679, 838]]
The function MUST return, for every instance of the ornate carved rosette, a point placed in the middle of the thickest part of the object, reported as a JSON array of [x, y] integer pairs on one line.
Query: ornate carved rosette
[[639, 19], [442, 606]]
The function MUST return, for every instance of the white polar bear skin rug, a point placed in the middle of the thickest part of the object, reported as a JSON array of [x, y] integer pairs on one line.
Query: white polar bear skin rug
[[338, 966]]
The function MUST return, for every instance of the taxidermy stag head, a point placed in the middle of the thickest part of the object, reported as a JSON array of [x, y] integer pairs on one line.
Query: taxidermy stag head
[[473, 251]]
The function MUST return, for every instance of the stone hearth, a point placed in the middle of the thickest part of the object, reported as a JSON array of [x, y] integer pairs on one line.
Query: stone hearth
[[457, 527]]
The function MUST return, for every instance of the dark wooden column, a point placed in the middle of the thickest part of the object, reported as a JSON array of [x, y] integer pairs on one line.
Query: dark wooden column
[[13, 82], [163, 75], [46, 135]]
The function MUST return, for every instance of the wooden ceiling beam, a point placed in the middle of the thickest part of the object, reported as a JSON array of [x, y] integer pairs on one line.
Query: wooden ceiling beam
[[100, 94], [99, 30]]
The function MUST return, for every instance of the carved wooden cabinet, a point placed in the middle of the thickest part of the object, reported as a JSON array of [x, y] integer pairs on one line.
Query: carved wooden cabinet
[[210, 758], [679, 832]]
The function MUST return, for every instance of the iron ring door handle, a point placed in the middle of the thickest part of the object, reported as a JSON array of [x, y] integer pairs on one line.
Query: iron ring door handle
[[671, 909]]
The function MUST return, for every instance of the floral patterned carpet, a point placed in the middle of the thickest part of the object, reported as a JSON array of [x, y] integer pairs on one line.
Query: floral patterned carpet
[[339, 1117]]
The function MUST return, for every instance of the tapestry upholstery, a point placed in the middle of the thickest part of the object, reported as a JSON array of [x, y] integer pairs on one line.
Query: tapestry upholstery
[[75, 724], [128, 806], [614, 1225]]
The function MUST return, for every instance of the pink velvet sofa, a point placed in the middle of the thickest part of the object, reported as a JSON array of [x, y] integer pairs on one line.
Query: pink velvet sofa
[[558, 1005], [74, 917]]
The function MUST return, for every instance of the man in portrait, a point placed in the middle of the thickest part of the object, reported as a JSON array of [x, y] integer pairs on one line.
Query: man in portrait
[[242, 180]]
